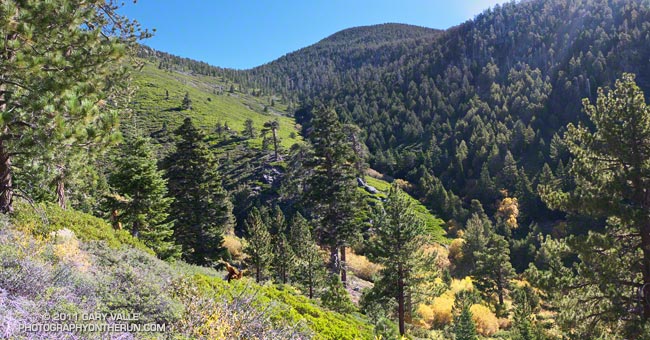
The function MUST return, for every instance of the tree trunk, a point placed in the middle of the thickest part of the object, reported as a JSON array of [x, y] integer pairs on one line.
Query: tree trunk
[[258, 274], [334, 260], [344, 272], [400, 298], [311, 285], [275, 144], [6, 180], [645, 289], [60, 192]]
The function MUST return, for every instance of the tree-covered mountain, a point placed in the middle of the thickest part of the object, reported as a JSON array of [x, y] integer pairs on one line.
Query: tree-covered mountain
[[526, 129], [477, 107]]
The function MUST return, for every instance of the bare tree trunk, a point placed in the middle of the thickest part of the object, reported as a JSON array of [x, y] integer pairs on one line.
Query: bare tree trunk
[[6, 177], [275, 144], [334, 260], [60, 194], [60, 189]]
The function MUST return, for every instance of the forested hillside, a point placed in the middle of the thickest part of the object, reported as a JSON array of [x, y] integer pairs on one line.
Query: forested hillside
[[477, 107], [488, 181]]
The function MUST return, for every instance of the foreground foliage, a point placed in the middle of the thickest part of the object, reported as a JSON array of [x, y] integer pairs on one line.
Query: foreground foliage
[[55, 269]]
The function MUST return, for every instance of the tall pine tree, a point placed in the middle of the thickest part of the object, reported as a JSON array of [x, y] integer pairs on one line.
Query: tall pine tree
[[202, 209], [259, 248], [64, 82], [396, 245], [145, 207], [611, 173], [332, 189]]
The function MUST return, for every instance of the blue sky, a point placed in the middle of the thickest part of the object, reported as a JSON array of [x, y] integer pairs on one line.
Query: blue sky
[[243, 33]]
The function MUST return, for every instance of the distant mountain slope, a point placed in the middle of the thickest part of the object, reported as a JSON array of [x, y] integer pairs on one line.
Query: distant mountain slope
[[160, 94], [377, 35], [250, 174], [337, 59], [479, 105]]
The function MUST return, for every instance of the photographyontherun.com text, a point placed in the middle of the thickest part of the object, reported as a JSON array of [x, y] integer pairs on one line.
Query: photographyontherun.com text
[[92, 322]]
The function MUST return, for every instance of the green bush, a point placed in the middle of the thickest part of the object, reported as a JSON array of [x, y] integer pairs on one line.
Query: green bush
[[43, 219]]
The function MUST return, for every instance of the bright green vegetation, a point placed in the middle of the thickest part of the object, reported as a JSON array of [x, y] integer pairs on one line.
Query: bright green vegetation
[[432, 224], [212, 103], [47, 254], [43, 219]]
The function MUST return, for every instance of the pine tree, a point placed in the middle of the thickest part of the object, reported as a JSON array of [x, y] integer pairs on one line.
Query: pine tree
[[202, 209], [396, 245], [477, 235], [145, 208], [258, 248], [64, 82], [332, 190], [310, 268], [610, 172], [464, 328], [249, 129], [284, 257], [335, 297], [493, 269], [187, 102], [273, 126]]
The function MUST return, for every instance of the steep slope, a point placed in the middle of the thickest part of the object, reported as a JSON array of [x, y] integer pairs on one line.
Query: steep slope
[[160, 94], [478, 105], [250, 173], [337, 59], [60, 269]]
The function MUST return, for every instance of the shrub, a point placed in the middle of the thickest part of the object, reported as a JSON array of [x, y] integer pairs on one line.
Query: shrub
[[234, 246], [486, 322], [48, 218], [441, 310], [66, 248], [461, 285], [456, 251], [237, 316], [362, 267], [335, 297]]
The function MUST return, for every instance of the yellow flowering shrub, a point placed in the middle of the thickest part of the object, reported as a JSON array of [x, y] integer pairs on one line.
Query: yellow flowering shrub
[[486, 322]]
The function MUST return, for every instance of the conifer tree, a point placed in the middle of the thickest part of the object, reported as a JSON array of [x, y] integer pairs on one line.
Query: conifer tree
[[187, 102], [464, 328], [283, 255], [273, 126], [258, 248], [145, 207], [332, 189], [477, 235], [493, 268], [335, 297], [610, 170], [396, 245], [249, 129], [202, 209], [310, 268], [64, 81]]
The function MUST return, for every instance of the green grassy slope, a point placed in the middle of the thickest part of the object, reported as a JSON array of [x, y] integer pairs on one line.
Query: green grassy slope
[[211, 103], [433, 224]]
